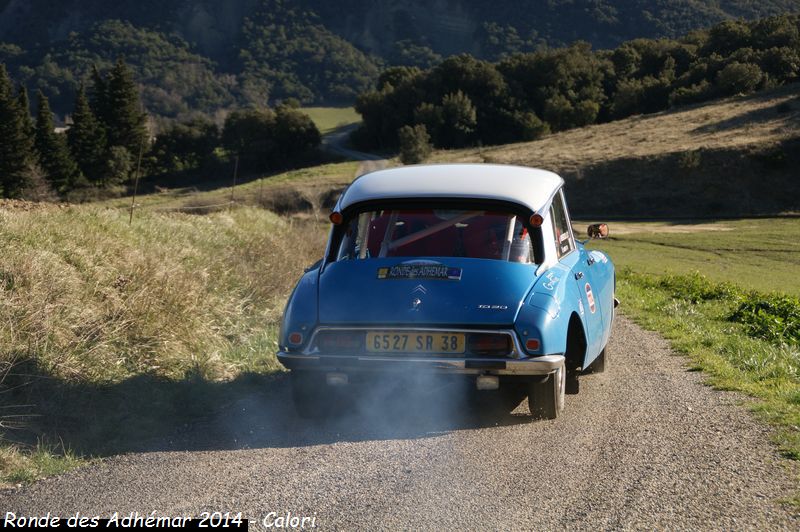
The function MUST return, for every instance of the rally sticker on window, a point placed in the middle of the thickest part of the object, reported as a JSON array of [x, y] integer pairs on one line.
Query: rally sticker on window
[[420, 271], [590, 298]]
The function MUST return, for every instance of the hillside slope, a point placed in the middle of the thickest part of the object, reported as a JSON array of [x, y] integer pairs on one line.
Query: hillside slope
[[253, 51], [735, 157], [447, 27]]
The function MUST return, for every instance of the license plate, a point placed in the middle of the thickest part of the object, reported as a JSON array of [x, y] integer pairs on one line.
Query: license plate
[[412, 342]]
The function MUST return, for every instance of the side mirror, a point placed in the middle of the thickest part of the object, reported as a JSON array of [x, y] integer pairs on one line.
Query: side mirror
[[597, 231]]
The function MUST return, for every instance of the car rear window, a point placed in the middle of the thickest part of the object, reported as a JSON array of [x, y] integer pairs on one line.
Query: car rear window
[[436, 233]]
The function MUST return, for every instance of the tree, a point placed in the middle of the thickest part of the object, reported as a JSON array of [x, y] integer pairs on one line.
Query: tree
[[87, 139], [459, 120], [295, 133], [125, 123], [118, 166], [16, 154], [415, 144], [98, 96], [25, 114], [185, 146], [51, 148], [248, 133], [739, 77]]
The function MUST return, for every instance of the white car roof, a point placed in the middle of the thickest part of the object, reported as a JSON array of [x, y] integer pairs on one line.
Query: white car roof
[[530, 187]]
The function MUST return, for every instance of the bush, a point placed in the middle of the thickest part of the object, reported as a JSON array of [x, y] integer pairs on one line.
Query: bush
[[773, 317], [739, 77], [689, 159], [415, 144]]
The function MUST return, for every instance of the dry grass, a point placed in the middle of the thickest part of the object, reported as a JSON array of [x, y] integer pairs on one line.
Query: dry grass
[[311, 182], [765, 118], [88, 297]]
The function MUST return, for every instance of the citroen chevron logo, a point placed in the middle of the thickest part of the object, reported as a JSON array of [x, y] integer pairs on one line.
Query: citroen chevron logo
[[419, 289]]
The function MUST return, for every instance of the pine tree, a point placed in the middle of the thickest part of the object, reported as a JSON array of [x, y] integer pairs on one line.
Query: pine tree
[[27, 122], [125, 122], [15, 151], [87, 139], [51, 147], [98, 96]]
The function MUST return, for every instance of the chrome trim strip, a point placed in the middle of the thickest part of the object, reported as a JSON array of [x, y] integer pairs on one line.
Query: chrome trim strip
[[543, 365], [516, 353]]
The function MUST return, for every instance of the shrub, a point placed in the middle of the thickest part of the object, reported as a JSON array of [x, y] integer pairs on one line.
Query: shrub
[[739, 77], [773, 317], [697, 287], [689, 159], [415, 144]]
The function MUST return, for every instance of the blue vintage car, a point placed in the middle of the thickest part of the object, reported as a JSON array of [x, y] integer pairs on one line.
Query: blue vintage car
[[466, 270]]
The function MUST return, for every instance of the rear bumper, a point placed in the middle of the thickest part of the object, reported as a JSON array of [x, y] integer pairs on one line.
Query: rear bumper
[[542, 365]]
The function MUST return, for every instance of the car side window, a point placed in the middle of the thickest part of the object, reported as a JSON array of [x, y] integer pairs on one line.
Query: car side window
[[563, 237]]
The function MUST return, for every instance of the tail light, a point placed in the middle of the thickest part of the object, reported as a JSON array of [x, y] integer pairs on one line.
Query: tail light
[[533, 345], [489, 344]]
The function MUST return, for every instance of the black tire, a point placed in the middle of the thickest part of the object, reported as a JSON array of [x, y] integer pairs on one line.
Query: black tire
[[309, 394], [546, 399]]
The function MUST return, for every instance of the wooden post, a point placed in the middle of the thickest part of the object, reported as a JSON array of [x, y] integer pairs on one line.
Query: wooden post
[[233, 188], [136, 180]]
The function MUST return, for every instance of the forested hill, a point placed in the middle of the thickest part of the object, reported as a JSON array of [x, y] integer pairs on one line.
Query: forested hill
[[204, 55]]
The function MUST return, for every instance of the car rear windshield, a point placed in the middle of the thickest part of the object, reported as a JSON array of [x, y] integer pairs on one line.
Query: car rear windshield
[[436, 233]]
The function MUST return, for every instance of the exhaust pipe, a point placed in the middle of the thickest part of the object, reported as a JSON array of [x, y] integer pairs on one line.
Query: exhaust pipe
[[487, 382]]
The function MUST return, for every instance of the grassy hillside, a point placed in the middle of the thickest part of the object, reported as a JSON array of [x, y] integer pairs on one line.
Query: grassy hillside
[[94, 298], [734, 157], [295, 191]]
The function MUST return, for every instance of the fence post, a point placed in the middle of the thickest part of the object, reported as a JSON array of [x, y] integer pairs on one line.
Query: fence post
[[136, 180], [233, 188]]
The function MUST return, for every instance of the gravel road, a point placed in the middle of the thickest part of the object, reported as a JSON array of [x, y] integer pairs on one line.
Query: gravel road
[[643, 446]]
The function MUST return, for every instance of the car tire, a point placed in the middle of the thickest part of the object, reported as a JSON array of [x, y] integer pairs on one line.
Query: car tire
[[546, 398], [308, 394]]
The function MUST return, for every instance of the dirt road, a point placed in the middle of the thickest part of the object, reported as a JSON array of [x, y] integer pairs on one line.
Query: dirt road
[[337, 142], [643, 446]]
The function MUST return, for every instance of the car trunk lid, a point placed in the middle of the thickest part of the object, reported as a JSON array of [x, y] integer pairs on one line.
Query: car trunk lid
[[451, 291]]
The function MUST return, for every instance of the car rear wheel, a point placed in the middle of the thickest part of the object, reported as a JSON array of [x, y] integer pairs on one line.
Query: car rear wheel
[[309, 394], [546, 399]]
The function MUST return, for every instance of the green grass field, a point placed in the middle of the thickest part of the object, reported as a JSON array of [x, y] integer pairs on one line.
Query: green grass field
[[759, 254], [328, 119]]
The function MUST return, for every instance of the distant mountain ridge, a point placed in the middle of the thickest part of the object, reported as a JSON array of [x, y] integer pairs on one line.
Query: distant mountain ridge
[[318, 51]]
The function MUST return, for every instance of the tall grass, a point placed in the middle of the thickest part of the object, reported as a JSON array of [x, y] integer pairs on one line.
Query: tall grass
[[86, 296]]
